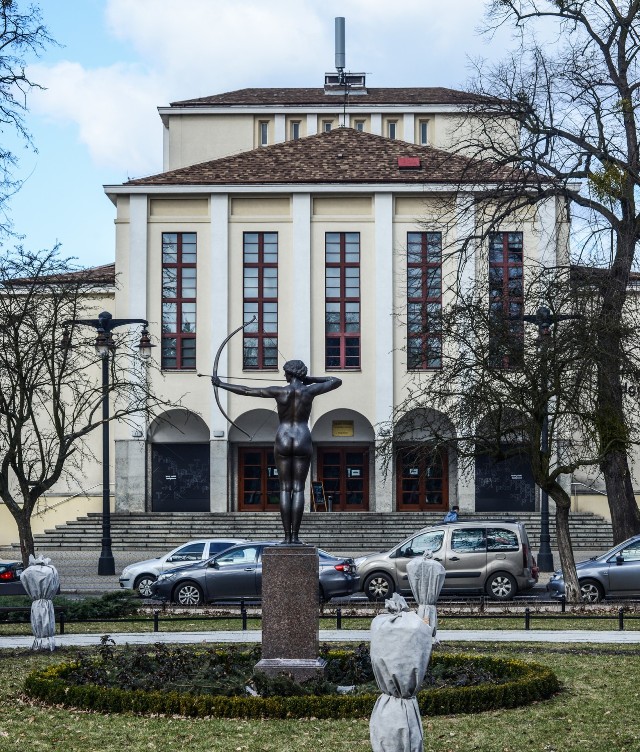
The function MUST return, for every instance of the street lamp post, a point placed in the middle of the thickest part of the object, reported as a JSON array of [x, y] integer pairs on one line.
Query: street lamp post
[[104, 325], [544, 320]]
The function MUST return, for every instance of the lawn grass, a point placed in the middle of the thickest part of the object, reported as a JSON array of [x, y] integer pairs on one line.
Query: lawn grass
[[597, 710]]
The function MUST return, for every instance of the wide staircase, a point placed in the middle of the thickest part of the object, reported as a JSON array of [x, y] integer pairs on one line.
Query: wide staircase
[[351, 532]]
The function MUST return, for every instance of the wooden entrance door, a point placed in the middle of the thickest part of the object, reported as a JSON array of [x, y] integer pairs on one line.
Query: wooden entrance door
[[258, 484], [422, 480], [344, 472]]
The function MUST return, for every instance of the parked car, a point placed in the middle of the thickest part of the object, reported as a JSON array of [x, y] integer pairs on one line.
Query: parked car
[[492, 556], [10, 572], [237, 573], [142, 574], [615, 573]]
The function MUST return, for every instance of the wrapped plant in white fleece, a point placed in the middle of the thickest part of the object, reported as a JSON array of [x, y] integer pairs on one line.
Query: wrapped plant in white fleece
[[40, 580]]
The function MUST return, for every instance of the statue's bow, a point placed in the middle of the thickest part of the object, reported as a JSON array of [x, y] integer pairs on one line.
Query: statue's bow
[[215, 373]]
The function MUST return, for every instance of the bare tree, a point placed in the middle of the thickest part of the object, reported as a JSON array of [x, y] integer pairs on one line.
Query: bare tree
[[498, 380], [561, 112], [51, 395], [22, 38]]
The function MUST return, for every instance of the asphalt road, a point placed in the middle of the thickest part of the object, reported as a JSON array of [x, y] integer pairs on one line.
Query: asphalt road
[[79, 570]]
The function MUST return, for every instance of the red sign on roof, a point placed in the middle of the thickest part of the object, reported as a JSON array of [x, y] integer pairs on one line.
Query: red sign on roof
[[409, 163]]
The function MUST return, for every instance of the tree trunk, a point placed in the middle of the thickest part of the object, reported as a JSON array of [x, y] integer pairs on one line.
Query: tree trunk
[[625, 515], [27, 548], [565, 549], [612, 421]]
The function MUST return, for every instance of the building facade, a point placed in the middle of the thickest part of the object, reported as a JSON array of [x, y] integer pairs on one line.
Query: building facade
[[312, 216]]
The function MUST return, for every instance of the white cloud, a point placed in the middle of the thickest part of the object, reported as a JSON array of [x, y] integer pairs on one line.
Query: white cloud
[[201, 47], [114, 109]]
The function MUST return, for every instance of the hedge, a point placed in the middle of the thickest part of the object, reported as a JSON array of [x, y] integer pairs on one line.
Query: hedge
[[527, 682]]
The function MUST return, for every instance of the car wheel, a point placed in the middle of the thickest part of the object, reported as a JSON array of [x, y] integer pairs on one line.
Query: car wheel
[[501, 586], [143, 585], [591, 591], [378, 586], [188, 594]]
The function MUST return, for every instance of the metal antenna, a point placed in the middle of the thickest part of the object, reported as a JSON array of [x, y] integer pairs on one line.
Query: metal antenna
[[340, 53]]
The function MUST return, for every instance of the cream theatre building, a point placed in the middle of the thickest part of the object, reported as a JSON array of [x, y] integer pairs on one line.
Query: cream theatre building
[[315, 213]]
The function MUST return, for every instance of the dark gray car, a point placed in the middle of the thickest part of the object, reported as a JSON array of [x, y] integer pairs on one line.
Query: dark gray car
[[237, 573], [615, 573]]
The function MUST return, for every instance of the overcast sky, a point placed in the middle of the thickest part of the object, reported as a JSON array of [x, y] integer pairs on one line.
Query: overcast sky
[[97, 123]]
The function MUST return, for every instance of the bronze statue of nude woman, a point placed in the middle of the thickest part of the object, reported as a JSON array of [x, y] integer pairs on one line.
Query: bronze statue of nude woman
[[293, 447]]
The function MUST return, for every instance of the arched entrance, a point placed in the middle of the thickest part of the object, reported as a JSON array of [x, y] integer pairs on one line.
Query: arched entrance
[[258, 488], [422, 469], [180, 461], [343, 442]]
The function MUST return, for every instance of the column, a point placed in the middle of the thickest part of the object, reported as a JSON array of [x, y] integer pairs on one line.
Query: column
[[279, 130], [546, 228], [409, 127], [301, 292], [312, 124], [384, 323], [219, 287], [469, 263], [129, 454]]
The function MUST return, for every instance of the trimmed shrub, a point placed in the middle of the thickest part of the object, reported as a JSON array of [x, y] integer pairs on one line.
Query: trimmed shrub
[[522, 683]]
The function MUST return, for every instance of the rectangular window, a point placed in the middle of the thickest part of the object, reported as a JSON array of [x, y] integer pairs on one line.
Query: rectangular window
[[359, 125], [392, 127], [326, 125], [179, 300], [423, 133], [424, 300], [295, 130], [264, 132], [260, 296], [342, 300], [506, 341]]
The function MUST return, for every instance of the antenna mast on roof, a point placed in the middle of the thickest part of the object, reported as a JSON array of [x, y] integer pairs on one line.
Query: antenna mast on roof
[[341, 64], [340, 53]]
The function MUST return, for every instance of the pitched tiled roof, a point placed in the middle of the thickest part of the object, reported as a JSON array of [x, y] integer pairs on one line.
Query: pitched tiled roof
[[95, 275], [317, 96], [342, 155]]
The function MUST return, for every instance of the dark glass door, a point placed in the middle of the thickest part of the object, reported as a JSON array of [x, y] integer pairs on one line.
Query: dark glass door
[[344, 472], [504, 486], [180, 478], [422, 480], [258, 484]]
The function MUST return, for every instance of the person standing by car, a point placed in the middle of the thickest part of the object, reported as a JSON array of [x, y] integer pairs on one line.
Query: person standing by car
[[451, 515]]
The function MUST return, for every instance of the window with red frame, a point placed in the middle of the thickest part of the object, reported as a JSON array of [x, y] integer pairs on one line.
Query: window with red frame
[[506, 343], [342, 300], [260, 290], [424, 300], [179, 300]]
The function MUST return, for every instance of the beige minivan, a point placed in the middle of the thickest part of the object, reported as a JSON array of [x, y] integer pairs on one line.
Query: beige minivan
[[490, 556]]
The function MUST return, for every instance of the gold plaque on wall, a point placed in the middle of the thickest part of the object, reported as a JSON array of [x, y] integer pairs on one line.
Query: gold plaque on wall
[[342, 428]]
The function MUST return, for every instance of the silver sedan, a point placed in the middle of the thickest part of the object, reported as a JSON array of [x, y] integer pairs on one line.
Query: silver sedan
[[141, 575]]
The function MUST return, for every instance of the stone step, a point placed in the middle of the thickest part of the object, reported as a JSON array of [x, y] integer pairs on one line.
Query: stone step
[[353, 531]]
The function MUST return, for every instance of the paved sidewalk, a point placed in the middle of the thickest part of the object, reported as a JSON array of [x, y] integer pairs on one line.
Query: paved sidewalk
[[580, 637]]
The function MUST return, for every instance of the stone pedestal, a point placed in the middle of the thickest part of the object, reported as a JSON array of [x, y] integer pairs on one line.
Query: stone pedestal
[[290, 612]]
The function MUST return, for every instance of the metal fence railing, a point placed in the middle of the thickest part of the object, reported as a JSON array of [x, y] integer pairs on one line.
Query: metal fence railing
[[479, 609]]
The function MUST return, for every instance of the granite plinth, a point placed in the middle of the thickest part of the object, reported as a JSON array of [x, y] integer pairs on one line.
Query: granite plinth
[[290, 591]]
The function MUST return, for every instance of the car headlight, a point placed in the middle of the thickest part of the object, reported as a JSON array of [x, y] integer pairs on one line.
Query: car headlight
[[360, 560], [125, 571], [168, 576]]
